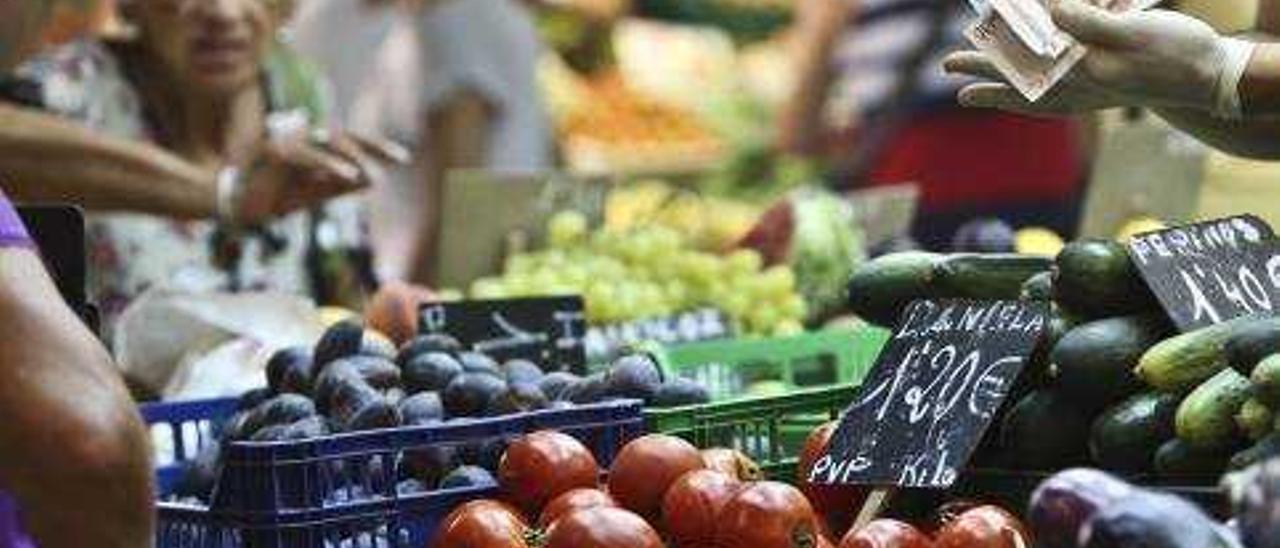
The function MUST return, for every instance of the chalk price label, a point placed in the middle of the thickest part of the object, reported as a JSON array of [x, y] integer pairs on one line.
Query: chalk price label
[[935, 389]]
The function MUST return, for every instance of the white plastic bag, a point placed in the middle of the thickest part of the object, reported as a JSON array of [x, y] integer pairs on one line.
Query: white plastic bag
[[188, 346]]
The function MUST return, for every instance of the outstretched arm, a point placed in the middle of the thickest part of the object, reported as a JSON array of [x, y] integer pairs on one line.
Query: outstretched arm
[[818, 25], [50, 159], [75, 453]]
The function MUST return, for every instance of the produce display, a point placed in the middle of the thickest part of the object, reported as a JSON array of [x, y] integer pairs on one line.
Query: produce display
[[1113, 380], [649, 271], [663, 492], [708, 223], [815, 233], [355, 379], [615, 129]]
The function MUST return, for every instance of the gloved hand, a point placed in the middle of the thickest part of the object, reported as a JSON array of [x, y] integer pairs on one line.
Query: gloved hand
[[1143, 58]]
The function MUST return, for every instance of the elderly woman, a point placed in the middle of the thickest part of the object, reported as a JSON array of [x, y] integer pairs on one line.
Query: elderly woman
[[188, 143]]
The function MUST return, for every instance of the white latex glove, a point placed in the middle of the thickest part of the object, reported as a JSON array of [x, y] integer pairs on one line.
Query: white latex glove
[[1152, 58]]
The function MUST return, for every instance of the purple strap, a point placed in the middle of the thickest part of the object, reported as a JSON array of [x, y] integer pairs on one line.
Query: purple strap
[[12, 231], [11, 532]]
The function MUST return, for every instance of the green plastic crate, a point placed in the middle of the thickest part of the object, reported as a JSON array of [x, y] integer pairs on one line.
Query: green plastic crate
[[770, 429], [817, 373], [731, 368]]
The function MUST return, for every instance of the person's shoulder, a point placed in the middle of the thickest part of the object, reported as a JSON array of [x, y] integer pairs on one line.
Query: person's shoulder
[[69, 77], [80, 58]]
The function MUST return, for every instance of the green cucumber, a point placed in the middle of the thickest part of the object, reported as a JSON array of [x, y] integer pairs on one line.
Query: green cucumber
[[1126, 436], [1045, 431], [1038, 287], [1266, 380], [1206, 418], [1255, 419], [1181, 363], [1252, 342], [1177, 459], [880, 289], [1097, 279], [986, 276], [1095, 360], [1264, 449]]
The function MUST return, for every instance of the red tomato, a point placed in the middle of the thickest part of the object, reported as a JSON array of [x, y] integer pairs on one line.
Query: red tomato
[[983, 527], [691, 505], [541, 466], [573, 500], [886, 533], [948, 513], [838, 505], [646, 467], [768, 514], [601, 527], [482, 524], [732, 462]]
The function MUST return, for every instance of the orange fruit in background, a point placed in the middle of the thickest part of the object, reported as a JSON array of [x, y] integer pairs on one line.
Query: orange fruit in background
[[75, 18], [393, 310]]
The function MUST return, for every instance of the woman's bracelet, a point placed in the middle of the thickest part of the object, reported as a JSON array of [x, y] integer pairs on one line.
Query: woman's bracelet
[[228, 189]]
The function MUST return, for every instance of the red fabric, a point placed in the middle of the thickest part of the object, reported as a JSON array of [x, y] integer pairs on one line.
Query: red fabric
[[970, 157]]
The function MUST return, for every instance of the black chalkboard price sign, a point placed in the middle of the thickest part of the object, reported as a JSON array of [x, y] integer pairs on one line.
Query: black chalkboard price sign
[[545, 330], [934, 390], [1211, 272]]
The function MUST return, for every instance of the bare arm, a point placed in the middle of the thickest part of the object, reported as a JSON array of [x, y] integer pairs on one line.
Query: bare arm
[[50, 159], [76, 455], [1260, 89], [456, 136], [818, 25], [1257, 138]]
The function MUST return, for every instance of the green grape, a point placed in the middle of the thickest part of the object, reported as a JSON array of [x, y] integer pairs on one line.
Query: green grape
[[788, 328], [777, 281], [745, 261], [521, 263], [676, 293], [566, 228], [794, 307], [450, 294], [736, 304], [488, 288], [763, 319]]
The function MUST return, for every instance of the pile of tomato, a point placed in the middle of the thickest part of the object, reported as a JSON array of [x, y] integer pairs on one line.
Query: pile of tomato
[[662, 492]]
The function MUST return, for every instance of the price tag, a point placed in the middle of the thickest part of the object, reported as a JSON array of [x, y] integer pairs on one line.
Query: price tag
[[547, 331], [1211, 272], [606, 342], [933, 392]]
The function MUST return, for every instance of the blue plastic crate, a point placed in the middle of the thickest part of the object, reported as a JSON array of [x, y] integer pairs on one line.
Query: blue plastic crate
[[340, 491]]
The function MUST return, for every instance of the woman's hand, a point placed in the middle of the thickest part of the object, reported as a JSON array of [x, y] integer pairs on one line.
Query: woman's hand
[[292, 175], [1152, 58]]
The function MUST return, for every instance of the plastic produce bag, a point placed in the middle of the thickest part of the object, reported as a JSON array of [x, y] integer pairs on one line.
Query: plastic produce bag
[[189, 346]]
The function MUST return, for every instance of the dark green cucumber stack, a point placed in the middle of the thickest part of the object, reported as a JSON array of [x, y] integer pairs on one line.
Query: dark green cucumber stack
[[1112, 380], [880, 290], [1103, 320]]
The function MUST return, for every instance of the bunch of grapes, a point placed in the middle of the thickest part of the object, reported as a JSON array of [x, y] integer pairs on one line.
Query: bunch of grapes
[[650, 271]]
